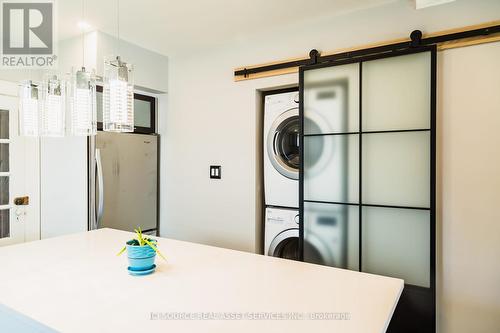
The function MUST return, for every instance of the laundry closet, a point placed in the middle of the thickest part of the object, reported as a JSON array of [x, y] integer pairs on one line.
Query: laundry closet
[[366, 131]]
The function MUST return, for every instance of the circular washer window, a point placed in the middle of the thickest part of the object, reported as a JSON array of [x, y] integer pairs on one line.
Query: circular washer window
[[286, 245], [283, 144]]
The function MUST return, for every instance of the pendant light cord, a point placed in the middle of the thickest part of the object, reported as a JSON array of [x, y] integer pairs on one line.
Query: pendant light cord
[[83, 34], [118, 24]]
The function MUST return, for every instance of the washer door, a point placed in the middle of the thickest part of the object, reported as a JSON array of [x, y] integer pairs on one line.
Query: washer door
[[285, 245], [283, 143]]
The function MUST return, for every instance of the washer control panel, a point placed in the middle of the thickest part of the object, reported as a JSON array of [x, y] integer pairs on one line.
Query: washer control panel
[[282, 216]]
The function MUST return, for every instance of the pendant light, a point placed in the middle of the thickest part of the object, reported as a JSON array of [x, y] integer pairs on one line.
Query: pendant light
[[82, 96], [118, 92], [54, 102], [83, 112], [29, 108], [118, 96]]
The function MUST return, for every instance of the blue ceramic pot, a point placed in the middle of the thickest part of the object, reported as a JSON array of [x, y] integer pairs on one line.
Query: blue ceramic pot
[[140, 257]]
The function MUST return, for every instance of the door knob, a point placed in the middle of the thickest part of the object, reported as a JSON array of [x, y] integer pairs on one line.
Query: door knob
[[22, 201]]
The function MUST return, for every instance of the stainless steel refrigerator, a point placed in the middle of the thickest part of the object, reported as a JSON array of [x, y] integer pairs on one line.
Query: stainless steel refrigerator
[[123, 181]]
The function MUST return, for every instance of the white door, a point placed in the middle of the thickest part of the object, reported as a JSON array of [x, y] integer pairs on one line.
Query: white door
[[12, 174]]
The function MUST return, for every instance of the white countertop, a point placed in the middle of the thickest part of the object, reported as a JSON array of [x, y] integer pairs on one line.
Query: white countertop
[[77, 283]]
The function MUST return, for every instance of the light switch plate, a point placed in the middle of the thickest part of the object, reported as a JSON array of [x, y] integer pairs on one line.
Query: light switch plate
[[215, 172]]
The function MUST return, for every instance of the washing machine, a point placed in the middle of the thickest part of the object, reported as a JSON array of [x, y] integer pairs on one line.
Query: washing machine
[[281, 149], [282, 238], [330, 235], [325, 112]]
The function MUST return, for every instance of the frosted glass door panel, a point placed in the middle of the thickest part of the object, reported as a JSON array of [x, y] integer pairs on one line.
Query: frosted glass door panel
[[331, 100], [331, 168], [331, 235], [396, 169], [396, 93], [396, 244]]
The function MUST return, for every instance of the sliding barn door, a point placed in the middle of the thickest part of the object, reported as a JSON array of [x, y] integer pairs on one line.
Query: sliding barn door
[[367, 177]]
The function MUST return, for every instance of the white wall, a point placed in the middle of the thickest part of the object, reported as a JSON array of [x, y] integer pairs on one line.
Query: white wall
[[469, 189], [150, 68], [213, 120], [73, 53]]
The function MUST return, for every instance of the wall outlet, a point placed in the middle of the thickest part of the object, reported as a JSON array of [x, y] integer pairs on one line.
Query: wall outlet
[[215, 172]]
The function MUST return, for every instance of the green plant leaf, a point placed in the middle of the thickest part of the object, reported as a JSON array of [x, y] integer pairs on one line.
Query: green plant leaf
[[155, 249], [139, 236], [140, 240], [122, 250]]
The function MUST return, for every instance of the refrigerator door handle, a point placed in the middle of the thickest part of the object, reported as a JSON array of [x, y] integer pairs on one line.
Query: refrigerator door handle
[[100, 184]]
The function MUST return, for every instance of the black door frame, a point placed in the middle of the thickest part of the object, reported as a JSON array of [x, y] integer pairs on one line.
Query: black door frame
[[413, 298]]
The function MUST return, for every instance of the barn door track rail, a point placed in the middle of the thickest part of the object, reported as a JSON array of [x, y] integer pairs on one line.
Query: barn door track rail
[[416, 40]]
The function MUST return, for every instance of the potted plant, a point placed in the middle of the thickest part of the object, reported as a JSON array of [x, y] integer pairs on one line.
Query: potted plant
[[141, 252]]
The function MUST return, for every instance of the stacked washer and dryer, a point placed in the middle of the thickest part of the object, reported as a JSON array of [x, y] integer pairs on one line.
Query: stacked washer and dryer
[[325, 232], [281, 174]]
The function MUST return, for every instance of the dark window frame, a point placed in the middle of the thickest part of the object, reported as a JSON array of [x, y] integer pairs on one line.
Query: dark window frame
[[138, 129]]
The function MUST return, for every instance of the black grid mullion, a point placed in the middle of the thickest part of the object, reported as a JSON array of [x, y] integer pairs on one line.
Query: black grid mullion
[[360, 171], [366, 205], [370, 132]]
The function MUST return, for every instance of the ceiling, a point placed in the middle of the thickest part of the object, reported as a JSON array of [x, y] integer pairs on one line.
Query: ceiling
[[174, 26]]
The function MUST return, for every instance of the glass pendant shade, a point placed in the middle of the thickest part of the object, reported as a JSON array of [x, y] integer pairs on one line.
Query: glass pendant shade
[[118, 96], [29, 109], [54, 99], [83, 111]]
